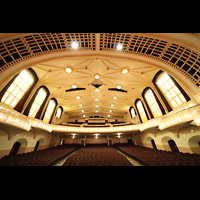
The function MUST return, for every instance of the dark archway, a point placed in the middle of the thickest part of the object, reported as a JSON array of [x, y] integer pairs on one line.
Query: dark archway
[[15, 148], [36, 146], [173, 146], [153, 144]]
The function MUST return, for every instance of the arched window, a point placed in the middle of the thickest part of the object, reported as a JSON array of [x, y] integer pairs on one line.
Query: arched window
[[49, 110], [59, 112], [132, 112], [141, 110], [18, 87], [42, 93], [170, 90], [152, 103]]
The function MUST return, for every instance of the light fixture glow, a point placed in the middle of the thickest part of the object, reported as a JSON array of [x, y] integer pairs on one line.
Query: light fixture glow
[[96, 111], [82, 111], [124, 71], [114, 97], [97, 106], [96, 99], [74, 45], [108, 115], [112, 105], [119, 87], [110, 110], [119, 47], [78, 97], [83, 115], [96, 76], [68, 70], [96, 90], [80, 105], [74, 86]]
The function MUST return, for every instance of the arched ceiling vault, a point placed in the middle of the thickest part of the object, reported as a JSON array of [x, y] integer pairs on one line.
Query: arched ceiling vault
[[142, 54]]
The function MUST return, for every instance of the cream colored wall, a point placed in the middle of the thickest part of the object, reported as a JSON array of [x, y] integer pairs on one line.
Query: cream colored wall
[[27, 140], [185, 139]]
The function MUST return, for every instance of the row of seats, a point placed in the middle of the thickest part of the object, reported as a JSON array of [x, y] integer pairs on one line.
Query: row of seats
[[97, 155], [44, 157], [154, 157]]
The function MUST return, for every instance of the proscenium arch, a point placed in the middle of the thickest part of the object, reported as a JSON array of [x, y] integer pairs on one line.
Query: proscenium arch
[[63, 49]]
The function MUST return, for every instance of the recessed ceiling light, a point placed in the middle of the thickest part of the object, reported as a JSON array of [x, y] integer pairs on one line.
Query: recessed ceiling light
[[96, 111], [119, 87], [74, 86], [114, 97], [82, 110], [83, 115], [110, 110], [68, 70], [96, 90], [96, 76], [124, 71], [112, 105], [78, 97], [74, 45], [80, 105], [96, 99], [108, 115], [119, 47], [97, 106]]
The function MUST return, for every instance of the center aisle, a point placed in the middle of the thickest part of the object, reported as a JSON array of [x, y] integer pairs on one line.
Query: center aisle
[[97, 155]]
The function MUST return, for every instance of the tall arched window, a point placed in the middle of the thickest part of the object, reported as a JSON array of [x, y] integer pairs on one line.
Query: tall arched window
[[170, 90], [49, 111], [42, 93], [152, 103], [59, 112], [17, 88], [132, 112], [141, 110]]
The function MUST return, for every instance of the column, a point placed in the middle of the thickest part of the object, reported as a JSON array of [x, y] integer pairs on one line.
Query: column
[[108, 140], [134, 139], [84, 141]]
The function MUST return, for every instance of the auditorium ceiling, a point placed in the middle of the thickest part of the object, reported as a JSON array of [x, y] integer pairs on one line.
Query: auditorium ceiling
[[99, 73], [53, 75]]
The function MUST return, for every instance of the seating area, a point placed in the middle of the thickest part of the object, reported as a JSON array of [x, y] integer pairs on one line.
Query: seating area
[[153, 157], [97, 155], [44, 157]]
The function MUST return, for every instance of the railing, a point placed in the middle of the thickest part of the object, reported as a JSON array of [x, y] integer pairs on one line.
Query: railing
[[187, 112]]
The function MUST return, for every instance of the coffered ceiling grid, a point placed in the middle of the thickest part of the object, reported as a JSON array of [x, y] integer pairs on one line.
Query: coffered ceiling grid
[[181, 58]]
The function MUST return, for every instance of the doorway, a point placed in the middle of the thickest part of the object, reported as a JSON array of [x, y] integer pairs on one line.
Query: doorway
[[153, 144], [129, 141], [82, 142], [173, 146], [36, 146], [15, 148]]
